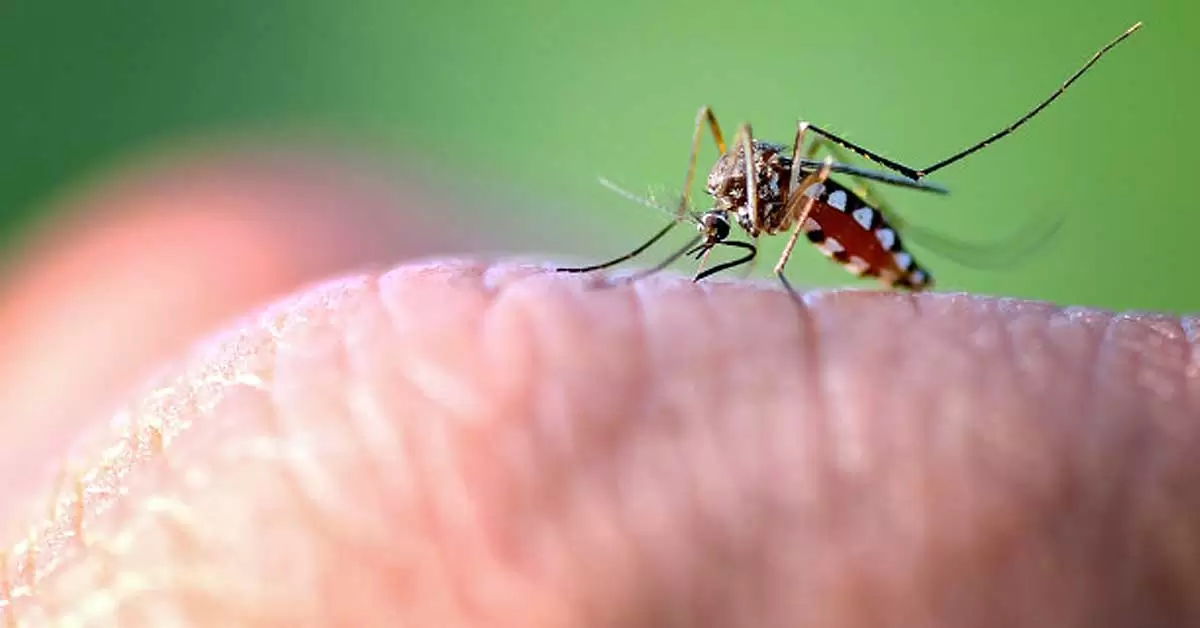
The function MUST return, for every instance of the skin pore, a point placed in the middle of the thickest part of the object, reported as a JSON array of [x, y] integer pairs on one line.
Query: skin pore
[[459, 443]]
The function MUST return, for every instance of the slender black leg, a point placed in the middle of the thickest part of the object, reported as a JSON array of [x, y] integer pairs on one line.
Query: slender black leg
[[705, 115], [667, 262], [630, 255], [917, 174], [745, 259], [980, 255]]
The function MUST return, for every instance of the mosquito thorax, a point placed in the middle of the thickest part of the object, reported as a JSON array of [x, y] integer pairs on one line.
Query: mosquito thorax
[[727, 184]]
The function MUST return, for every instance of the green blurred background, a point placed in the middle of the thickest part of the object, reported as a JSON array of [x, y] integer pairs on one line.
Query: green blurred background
[[517, 106]]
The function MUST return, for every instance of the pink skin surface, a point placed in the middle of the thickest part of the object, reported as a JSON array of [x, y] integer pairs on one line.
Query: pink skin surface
[[452, 443]]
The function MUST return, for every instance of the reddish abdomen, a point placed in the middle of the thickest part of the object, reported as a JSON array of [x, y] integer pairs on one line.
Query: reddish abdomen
[[858, 237]]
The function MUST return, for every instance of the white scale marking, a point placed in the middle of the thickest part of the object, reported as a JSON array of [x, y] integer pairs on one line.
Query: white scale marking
[[918, 277], [832, 246], [904, 260], [837, 200], [857, 265], [815, 190], [863, 216], [886, 237], [810, 225]]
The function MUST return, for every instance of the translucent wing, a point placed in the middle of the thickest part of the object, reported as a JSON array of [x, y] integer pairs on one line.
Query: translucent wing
[[1004, 252]]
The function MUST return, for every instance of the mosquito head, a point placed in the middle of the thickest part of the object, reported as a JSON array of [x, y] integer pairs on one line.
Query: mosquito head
[[713, 225]]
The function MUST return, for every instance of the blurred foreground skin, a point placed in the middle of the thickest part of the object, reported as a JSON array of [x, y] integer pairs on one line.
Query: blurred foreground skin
[[459, 444]]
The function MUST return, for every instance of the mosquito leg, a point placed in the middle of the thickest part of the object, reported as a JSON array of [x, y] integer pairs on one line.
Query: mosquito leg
[[744, 141], [703, 260], [871, 156], [862, 188], [749, 262], [665, 263], [705, 115], [745, 259], [801, 129], [752, 265], [798, 200], [630, 255], [918, 174], [805, 203], [980, 255]]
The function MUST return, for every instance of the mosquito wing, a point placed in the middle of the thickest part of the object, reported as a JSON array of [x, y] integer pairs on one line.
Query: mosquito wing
[[1003, 252]]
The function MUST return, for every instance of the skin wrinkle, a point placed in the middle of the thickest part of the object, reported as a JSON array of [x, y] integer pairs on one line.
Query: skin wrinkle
[[1187, 339], [97, 549], [397, 488], [443, 515], [1125, 349], [609, 485], [517, 531], [576, 437], [594, 464], [1097, 501], [877, 441], [1174, 553], [1106, 409], [1165, 549], [1191, 328], [1167, 380], [527, 448], [290, 436], [413, 515], [317, 384], [711, 457], [794, 465], [1037, 524], [231, 348], [792, 480], [716, 493], [786, 515]]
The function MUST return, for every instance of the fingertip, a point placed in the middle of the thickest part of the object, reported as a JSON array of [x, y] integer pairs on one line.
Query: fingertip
[[516, 443], [138, 265]]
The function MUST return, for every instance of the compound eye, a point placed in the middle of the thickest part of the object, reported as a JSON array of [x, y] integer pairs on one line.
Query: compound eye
[[717, 227], [722, 228]]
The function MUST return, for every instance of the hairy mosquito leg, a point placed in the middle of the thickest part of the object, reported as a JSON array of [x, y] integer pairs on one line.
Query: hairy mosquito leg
[[796, 191], [705, 115], [794, 199], [809, 200], [801, 129], [744, 141]]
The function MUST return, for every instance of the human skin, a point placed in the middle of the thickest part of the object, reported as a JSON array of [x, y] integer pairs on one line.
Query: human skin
[[468, 443]]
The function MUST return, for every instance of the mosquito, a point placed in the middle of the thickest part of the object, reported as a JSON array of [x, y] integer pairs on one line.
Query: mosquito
[[768, 189]]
